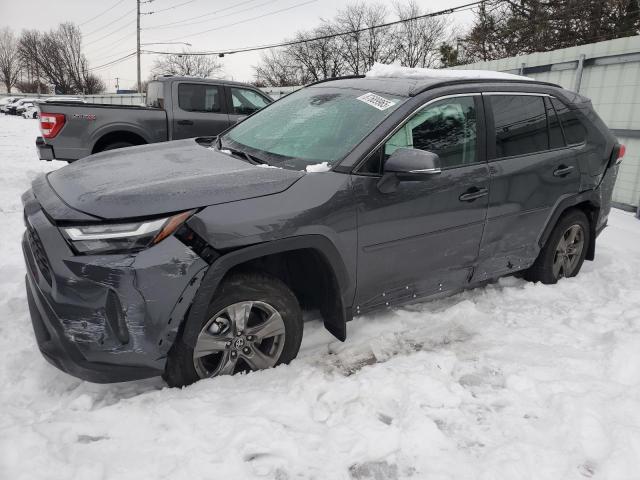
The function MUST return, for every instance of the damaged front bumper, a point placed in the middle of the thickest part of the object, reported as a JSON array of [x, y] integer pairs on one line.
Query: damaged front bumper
[[106, 318]]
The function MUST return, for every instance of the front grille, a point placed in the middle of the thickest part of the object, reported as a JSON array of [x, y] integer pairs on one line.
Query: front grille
[[39, 254]]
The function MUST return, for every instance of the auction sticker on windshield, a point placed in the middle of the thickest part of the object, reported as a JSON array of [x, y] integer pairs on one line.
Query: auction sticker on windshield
[[376, 101]]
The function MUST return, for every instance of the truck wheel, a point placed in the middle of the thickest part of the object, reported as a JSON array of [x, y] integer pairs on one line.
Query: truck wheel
[[254, 322], [116, 145], [564, 251]]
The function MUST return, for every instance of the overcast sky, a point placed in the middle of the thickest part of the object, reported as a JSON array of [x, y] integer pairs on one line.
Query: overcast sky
[[232, 24]]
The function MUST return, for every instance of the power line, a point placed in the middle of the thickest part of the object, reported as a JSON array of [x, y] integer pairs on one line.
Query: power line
[[297, 5], [110, 23], [113, 62], [321, 37], [109, 57], [110, 33], [106, 50], [223, 16], [100, 14], [186, 20], [175, 6]]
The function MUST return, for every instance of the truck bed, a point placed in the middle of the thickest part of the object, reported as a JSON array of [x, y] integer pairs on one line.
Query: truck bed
[[90, 126]]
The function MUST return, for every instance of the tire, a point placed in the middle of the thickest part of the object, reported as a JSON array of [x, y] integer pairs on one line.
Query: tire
[[555, 260], [220, 339], [116, 145]]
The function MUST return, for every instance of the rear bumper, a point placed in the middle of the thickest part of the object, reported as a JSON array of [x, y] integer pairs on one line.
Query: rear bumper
[[45, 152], [106, 318]]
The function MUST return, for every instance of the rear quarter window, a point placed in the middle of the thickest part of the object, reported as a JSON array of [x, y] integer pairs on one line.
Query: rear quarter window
[[574, 131]]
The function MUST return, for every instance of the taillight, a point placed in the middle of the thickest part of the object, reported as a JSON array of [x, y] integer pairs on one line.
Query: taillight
[[51, 123], [617, 155]]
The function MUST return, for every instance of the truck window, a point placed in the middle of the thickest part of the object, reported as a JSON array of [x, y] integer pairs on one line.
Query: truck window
[[155, 95], [245, 101], [199, 97]]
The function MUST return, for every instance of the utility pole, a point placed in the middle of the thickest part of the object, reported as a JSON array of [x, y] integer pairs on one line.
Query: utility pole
[[117, 84], [138, 44]]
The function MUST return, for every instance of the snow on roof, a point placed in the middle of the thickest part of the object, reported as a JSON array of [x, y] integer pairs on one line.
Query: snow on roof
[[397, 71]]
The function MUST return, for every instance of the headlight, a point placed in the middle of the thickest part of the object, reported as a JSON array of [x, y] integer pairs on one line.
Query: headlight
[[122, 237]]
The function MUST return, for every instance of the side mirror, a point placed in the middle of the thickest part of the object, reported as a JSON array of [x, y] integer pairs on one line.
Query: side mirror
[[406, 164], [412, 164]]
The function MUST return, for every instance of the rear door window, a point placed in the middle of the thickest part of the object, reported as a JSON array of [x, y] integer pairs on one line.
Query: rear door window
[[199, 97], [520, 124], [155, 95]]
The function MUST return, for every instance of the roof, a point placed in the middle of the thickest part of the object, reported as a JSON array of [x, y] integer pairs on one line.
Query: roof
[[163, 78], [408, 82]]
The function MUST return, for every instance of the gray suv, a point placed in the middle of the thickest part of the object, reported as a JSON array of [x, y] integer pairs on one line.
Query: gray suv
[[197, 257]]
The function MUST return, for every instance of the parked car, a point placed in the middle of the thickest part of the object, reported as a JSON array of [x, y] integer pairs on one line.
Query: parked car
[[31, 112], [5, 101], [190, 259], [12, 108], [65, 99], [176, 107], [21, 108]]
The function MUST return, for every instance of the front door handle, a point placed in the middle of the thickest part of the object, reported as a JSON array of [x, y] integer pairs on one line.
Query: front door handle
[[185, 122], [562, 171], [473, 194]]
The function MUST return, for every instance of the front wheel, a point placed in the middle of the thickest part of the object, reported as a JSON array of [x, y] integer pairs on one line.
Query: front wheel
[[564, 252], [254, 322]]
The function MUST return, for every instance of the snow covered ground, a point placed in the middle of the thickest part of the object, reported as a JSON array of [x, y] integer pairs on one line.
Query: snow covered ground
[[512, 381]]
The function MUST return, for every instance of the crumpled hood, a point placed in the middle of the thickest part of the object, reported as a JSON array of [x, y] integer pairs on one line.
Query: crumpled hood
[[162, 178]]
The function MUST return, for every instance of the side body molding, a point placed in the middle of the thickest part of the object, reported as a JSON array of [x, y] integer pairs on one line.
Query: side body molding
[[336, 323]]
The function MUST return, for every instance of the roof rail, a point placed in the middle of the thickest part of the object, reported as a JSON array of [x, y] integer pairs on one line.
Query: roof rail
[[456, 81], [345, 77]]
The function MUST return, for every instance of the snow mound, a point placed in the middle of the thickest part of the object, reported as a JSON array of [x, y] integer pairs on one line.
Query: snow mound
[[510, 381], [318, 167], [397, 71]]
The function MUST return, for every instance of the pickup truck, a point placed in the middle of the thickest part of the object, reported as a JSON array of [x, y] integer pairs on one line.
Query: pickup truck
[[175, 108]]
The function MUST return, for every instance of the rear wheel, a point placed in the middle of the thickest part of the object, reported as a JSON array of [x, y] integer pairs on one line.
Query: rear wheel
[[254, 323], [564, 252], [116, 145]]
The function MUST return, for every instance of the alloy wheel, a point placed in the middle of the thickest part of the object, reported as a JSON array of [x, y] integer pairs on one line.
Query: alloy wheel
[[243, 336], [568, 251]]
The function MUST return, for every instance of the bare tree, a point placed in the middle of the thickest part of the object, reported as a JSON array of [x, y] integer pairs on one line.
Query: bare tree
[[9, 59], [278, 69], [187, 65], [58, 59], [320, 57], [360, 44], [353, 41], [417, 42]]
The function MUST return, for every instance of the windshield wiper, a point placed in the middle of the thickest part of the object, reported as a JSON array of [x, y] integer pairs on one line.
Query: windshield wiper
[[241, 154]]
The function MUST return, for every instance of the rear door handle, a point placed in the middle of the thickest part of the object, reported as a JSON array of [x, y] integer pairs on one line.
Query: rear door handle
[[473, 194], [562, 171], [185, 122]]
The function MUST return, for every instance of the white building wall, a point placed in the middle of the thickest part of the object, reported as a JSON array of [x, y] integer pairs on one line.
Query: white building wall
[[610, 78]]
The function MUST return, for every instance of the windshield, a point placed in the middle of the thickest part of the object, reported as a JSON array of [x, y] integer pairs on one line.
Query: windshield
[[311, 126]]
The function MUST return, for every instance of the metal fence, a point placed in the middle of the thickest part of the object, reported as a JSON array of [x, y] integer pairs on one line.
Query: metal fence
[[608, 73]]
